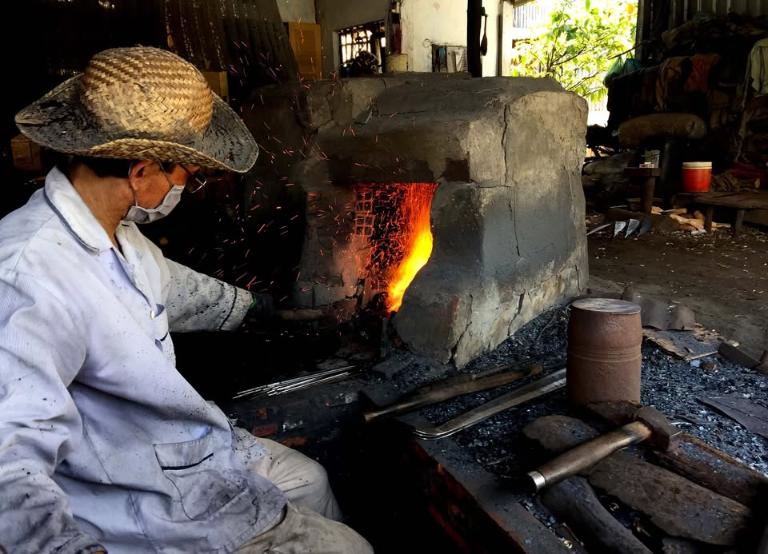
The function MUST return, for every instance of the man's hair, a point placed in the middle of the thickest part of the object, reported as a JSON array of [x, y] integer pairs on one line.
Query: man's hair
[[103, 167]]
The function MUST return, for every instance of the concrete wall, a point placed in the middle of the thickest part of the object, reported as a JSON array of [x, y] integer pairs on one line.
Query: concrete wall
[[297, 10], [338, 14], [444, 22]]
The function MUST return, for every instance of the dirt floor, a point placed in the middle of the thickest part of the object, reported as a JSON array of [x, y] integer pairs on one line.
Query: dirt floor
[[722, 278]]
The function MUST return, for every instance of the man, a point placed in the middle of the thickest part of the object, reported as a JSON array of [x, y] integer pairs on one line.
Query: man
[[103, 444]]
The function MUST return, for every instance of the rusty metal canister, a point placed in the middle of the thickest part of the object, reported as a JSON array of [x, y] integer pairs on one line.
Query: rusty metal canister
[[604, 357]]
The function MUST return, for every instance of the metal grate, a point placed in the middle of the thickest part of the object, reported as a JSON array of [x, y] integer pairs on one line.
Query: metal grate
[[360, 40], [364, 216]]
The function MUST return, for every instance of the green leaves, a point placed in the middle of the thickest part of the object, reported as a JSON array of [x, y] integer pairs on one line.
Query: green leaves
[[579, 44]]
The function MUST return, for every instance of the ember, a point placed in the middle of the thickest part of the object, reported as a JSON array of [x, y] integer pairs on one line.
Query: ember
[[417, 241], [394, 221]]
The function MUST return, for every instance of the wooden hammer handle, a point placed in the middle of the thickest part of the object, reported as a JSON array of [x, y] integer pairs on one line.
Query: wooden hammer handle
[[588, 454]]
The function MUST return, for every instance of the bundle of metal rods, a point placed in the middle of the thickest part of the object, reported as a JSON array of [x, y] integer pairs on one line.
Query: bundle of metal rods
[[299, 383]]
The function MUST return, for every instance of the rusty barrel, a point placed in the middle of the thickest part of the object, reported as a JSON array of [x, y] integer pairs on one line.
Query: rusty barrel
[[604, 358]]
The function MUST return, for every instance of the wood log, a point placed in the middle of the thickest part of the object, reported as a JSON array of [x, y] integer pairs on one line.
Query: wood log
[[697, 461], [636, 131], [574, 502], [711, 468], [679, 546], [674, 504]]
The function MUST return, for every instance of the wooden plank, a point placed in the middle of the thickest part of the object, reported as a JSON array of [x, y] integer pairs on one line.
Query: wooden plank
[[714, 469], [686, 345], [742, 200], [642, 172], [305, 43], [752, 416]]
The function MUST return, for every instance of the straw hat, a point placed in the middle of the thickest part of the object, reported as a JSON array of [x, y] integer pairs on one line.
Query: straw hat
[[141, 104]]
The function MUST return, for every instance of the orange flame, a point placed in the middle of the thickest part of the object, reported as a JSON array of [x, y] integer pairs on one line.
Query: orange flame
[[416, 206]]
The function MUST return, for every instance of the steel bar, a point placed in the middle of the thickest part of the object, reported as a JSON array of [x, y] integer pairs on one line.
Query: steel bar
[[297, 383], [433, 394], [311, 383], [519, 396], [296, 379]]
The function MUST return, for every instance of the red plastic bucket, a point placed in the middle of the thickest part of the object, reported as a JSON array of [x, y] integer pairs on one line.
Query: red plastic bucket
[[697, 176]]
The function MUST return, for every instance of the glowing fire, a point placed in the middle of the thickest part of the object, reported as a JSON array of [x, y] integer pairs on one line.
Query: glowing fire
[[418, 242]]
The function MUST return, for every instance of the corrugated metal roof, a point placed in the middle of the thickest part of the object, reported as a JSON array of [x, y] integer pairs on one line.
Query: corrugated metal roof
[[684, 10], [244, 37]]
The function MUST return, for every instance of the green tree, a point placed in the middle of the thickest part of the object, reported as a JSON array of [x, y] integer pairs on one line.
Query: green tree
[[581, 41]]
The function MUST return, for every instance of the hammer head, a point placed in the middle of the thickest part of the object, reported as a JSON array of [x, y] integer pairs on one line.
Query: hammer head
[[662, 431]]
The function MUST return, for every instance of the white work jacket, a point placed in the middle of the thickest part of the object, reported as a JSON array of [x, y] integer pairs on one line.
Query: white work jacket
[[102, 441]]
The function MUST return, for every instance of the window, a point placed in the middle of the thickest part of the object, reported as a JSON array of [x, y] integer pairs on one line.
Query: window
[[449, 59], [362, 49]]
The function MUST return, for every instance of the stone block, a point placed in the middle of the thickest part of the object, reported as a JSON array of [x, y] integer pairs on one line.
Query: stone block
[[508, 214]]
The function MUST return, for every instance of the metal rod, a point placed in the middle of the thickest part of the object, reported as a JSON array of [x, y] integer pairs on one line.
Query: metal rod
[[297, 383], [442, 392], [528, 392], [296, 379], [312, 383]]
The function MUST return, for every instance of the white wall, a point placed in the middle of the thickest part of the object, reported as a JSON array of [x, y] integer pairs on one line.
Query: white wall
[[424, 22], [297, 10], [444, 22], [508, 28], [491, 60]]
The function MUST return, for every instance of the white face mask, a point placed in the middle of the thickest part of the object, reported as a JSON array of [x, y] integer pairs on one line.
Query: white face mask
[[141, 215]]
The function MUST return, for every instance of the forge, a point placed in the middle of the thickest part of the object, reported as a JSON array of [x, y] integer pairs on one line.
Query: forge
[[453, 205]]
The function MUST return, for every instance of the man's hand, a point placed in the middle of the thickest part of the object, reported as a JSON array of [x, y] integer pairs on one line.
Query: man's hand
[[306, 314], [263, 311], [262, 307]]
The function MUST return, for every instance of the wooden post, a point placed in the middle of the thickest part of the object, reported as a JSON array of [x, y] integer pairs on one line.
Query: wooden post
[[474, 23], [708, 217], [648, 176], [738, 224], [649, 188]]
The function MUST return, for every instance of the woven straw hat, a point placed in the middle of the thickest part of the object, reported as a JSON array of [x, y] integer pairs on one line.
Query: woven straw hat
[[141, 104]]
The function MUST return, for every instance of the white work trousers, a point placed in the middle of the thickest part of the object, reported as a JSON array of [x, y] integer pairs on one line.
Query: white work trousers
[[310, 521]]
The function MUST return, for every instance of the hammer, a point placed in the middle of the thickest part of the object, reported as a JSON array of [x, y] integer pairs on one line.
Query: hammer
[[649, 424]]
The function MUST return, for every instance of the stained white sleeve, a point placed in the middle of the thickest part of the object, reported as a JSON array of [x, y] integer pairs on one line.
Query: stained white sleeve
[[198, 302], [41, 351]]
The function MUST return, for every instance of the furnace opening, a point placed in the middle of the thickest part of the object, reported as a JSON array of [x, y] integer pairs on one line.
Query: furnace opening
[[394, 221]]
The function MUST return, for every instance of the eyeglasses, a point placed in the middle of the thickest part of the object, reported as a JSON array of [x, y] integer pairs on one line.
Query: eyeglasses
[[195, 181], [198, 180]]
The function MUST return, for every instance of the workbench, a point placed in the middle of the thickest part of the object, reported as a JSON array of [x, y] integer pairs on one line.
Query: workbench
[[740, 202]]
